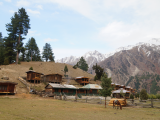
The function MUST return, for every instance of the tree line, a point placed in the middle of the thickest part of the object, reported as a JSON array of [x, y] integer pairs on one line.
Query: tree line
[[12, 48]]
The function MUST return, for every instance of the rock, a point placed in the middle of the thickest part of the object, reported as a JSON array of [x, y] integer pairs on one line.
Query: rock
[[6, 78]]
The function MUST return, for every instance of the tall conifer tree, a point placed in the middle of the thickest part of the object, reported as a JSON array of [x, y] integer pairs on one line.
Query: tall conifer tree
[[47, 52], [19, 26]]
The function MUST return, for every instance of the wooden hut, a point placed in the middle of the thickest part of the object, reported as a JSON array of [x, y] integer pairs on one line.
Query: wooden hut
[[82, 80], [53, 78], [117, 93], [61, 89], [128, 88], [33, 77], [7, 87], [117, 86], [122, 86], [89, 89]]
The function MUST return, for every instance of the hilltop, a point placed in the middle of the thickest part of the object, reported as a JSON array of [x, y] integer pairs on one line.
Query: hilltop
[[14, 71]]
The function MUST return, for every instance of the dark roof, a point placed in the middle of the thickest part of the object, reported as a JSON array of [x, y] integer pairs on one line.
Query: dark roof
[[34, 72], [53, 74], [8, 82]]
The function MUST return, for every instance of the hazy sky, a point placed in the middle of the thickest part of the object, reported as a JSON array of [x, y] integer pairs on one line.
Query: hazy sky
[[74, 27]]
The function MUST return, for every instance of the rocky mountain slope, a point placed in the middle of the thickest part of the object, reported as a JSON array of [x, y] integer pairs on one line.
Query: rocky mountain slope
[[125, 61], [143, 57]]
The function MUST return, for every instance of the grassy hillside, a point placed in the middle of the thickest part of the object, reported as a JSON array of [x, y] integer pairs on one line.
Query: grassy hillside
[[14, 71]]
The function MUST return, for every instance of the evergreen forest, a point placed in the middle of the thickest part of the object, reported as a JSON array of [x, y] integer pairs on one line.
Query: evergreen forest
[[12, 48]]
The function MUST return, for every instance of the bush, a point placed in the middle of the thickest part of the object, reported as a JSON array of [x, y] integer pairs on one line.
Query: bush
[[6, 61], [75, 67], [137, 95], [19, 62], [152, 96], [131, 96], [143, 95], [31, 68], [158, 96]]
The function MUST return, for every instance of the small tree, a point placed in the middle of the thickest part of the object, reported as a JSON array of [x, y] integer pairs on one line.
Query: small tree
[[106, 87], [82, 64], [98, 70], [143, 95], [65, 69], [131, 96], [31, 68], [95, 78], [137, 95]]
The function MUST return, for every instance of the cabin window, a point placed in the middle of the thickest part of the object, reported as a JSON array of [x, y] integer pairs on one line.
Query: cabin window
[[56, 90]]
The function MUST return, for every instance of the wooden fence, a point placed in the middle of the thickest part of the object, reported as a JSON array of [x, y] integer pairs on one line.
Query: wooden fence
[[152, 103]]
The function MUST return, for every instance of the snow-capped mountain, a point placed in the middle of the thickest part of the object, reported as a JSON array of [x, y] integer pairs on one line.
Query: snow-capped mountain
[[94, 57], [91, 58]]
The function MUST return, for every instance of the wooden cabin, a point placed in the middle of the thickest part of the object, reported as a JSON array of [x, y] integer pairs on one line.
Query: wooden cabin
[[61, 89], [89, 89], [117, 86], [82, 80], [7, 87], [128, 88], [33, 77], [53, 78], [117, 93], [122, 86]]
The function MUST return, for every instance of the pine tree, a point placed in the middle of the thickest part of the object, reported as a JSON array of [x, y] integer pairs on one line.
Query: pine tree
[[47, 51], [1, 49], [98, 70], [32, 50], [19, 26], [65, 69], [9, 52], [82, 64], [106, 86]]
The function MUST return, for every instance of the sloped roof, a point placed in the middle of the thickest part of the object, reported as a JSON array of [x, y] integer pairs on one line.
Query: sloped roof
[[81, 77], [121, 90], [92, 86], [8, 82], [128, 87], [53, 74], [65, 86], [34, 72]]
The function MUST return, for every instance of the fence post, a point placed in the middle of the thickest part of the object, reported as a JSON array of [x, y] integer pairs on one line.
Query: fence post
[[151, 102], [100, 100]]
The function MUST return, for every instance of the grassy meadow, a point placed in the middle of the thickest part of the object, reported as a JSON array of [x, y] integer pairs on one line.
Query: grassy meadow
[[33, 108]]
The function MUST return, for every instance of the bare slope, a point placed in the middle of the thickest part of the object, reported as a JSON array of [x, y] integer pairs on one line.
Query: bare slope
[[14, 71]]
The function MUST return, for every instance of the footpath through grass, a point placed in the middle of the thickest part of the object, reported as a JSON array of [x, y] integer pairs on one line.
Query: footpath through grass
[[47, 109]]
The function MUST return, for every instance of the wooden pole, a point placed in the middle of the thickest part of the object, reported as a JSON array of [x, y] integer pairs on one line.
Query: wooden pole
[[105, 102]]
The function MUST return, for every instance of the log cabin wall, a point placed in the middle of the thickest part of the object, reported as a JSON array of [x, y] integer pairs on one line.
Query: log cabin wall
[[7, 88], [53, 78]]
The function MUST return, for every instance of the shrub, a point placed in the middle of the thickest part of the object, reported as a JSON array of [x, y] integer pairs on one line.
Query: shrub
[[131, 96], [152, 96], [158, 96], [19, 62], [6, 61], [143, 95], [31, 68], [137, 95]]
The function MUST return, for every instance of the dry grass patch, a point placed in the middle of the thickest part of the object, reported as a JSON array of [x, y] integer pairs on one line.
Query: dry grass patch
[[40, 108]]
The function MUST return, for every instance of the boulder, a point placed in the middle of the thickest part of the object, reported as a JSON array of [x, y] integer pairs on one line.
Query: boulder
[[6, 78]]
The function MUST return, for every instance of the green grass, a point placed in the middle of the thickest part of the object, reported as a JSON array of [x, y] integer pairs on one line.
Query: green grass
[[42, 109]]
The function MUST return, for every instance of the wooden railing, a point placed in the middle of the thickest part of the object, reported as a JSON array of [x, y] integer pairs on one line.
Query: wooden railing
[[25, 83]]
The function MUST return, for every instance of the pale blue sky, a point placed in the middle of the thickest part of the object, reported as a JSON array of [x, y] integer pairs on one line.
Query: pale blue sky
[[74, 27]]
